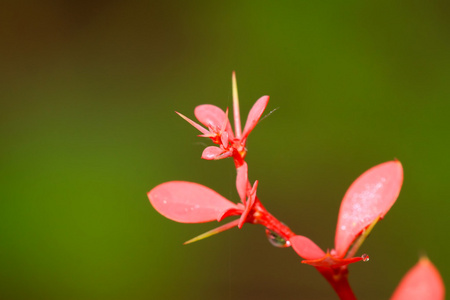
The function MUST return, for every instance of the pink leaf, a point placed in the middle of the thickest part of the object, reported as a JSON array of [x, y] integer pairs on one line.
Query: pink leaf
[[329, 261], [235, 211], [211, 153], [212, 116], [224, 139], [242, 183], [188, 202], [306, 248], [254, 115], [423, 281], [314, 256], [369, 197]]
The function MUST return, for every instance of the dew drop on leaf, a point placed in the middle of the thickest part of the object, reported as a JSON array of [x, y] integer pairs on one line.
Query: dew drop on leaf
[[276, 240], [365, 257]]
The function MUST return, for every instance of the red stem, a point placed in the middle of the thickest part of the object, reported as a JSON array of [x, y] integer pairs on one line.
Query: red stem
[[338, 279], [260, 215]]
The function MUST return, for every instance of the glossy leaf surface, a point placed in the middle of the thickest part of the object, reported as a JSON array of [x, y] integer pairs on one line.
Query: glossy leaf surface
[[188, 202], [368, 198]]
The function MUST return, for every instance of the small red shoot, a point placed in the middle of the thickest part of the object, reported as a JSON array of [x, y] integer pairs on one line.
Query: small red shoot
[[367, 200], [220, 131], [214, 118]]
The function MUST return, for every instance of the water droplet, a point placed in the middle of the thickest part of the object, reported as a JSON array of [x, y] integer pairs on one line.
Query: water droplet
[[276, 240], [365, 257]]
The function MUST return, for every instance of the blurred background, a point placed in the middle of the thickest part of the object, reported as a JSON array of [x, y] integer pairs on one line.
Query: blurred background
[[87, 125]]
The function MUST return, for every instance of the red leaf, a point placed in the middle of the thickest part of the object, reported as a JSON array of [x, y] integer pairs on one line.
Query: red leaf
[[329, 261], [212, 116], [242, 184], [254, 115], [369, 197], [211, 153], [188, 202], [235, 211], [306, 248], [423, 281]]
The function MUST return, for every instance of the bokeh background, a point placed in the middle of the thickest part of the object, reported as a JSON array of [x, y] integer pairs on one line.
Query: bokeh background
[[88, 93]]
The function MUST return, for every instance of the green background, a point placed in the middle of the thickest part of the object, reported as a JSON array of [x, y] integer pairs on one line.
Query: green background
[[88, 94]]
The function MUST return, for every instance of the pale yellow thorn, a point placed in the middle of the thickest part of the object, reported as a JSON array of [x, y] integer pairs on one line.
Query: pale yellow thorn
[[213, 232], [360, 240], [237, 117]]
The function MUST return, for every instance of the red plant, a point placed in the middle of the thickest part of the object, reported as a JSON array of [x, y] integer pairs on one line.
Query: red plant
[[366, 202]]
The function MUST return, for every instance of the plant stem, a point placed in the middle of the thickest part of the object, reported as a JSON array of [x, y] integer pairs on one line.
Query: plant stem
[[262, 216], [338, 279]]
